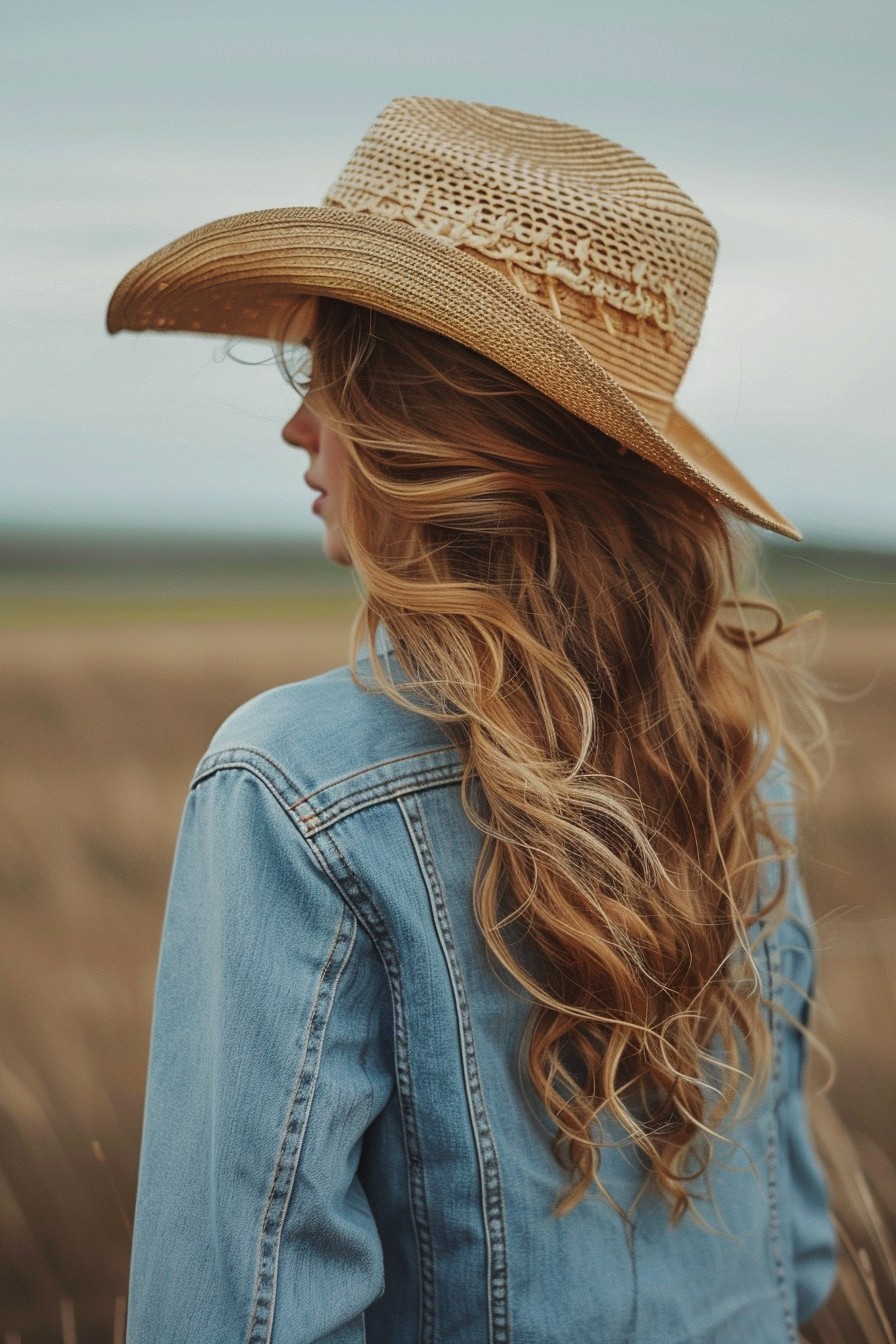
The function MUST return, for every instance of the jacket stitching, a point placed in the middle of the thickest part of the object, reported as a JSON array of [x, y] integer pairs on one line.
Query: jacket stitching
[[771, 956], [234, 758], [297, 1117], [266, 1278], [773, 967], [374, 924], [365, 908], [486, 1149], [355, 774], [388, 791], [276, 777]]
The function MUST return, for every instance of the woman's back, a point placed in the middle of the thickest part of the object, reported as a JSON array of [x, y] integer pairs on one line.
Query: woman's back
[[360, 1131]]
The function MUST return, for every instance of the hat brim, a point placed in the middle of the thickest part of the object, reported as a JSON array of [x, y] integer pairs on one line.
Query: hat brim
[[244, 275]]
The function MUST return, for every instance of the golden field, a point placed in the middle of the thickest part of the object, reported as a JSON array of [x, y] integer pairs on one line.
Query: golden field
[[104, 715]]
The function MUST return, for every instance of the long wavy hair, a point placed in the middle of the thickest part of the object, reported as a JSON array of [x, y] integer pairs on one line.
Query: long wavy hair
[[576, 621]]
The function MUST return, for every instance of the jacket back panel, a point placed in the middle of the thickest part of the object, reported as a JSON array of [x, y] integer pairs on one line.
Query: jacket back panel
[[366, 1161]]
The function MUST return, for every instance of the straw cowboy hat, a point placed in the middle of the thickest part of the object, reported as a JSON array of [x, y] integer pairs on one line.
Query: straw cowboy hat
[[558, 254]]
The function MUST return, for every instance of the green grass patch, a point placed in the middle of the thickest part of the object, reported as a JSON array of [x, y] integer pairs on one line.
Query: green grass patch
[[24, 611]]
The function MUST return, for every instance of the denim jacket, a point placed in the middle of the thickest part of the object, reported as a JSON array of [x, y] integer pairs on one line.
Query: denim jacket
[[339, 1143]]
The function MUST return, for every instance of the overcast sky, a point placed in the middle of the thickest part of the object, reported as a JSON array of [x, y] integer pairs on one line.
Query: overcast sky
[[126, 126]]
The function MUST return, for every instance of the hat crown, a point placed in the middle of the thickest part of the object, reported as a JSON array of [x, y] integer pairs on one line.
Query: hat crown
[[613, 248]]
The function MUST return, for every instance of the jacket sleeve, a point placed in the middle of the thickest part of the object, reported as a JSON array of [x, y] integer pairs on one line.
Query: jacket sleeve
[[806, 1226], [271, 1054]]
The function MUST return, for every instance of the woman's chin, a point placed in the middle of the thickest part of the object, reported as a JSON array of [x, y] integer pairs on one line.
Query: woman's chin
[[334, 548]]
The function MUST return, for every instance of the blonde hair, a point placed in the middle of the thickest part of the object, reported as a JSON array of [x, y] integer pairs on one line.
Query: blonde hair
[[572, 617]]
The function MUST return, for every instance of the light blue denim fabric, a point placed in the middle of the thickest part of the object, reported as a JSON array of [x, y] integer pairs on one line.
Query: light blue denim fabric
[[337, 1146]]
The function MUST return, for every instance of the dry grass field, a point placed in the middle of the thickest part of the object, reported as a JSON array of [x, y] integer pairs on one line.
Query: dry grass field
[[102, 724]]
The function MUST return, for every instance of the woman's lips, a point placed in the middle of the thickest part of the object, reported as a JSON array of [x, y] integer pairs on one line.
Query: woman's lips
[[313, 485]]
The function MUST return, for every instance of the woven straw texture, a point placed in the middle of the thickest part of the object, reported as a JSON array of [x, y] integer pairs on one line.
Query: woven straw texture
[[555, 252], [586, 228]]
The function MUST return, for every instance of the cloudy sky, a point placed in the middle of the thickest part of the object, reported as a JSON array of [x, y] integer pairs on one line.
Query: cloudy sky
[[125, 126]]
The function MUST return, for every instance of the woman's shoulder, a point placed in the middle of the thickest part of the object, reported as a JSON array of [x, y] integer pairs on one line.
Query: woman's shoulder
[[778, 794], [327, 728]]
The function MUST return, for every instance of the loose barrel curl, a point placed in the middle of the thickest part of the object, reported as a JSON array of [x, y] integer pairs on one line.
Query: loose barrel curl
[[573, 617]]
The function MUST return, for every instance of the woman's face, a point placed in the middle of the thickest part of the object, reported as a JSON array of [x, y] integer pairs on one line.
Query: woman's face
[[326, 473]]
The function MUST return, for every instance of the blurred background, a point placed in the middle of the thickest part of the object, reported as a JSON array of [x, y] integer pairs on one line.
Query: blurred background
[[158, 558]]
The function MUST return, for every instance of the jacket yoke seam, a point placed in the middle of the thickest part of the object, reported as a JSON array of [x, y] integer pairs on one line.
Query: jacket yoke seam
[[246, 758], [367, 793], [374, 765], [383, 791]]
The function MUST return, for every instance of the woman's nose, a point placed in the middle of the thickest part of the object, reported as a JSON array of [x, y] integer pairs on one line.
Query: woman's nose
[[303, 430]]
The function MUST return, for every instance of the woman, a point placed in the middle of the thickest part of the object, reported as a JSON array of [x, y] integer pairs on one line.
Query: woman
[[481, 1009]]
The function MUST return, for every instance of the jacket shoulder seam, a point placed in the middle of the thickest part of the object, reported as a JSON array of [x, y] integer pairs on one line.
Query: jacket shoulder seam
[[419, 770]]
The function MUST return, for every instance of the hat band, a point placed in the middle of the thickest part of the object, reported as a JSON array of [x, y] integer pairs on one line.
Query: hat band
[[633, 350]]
